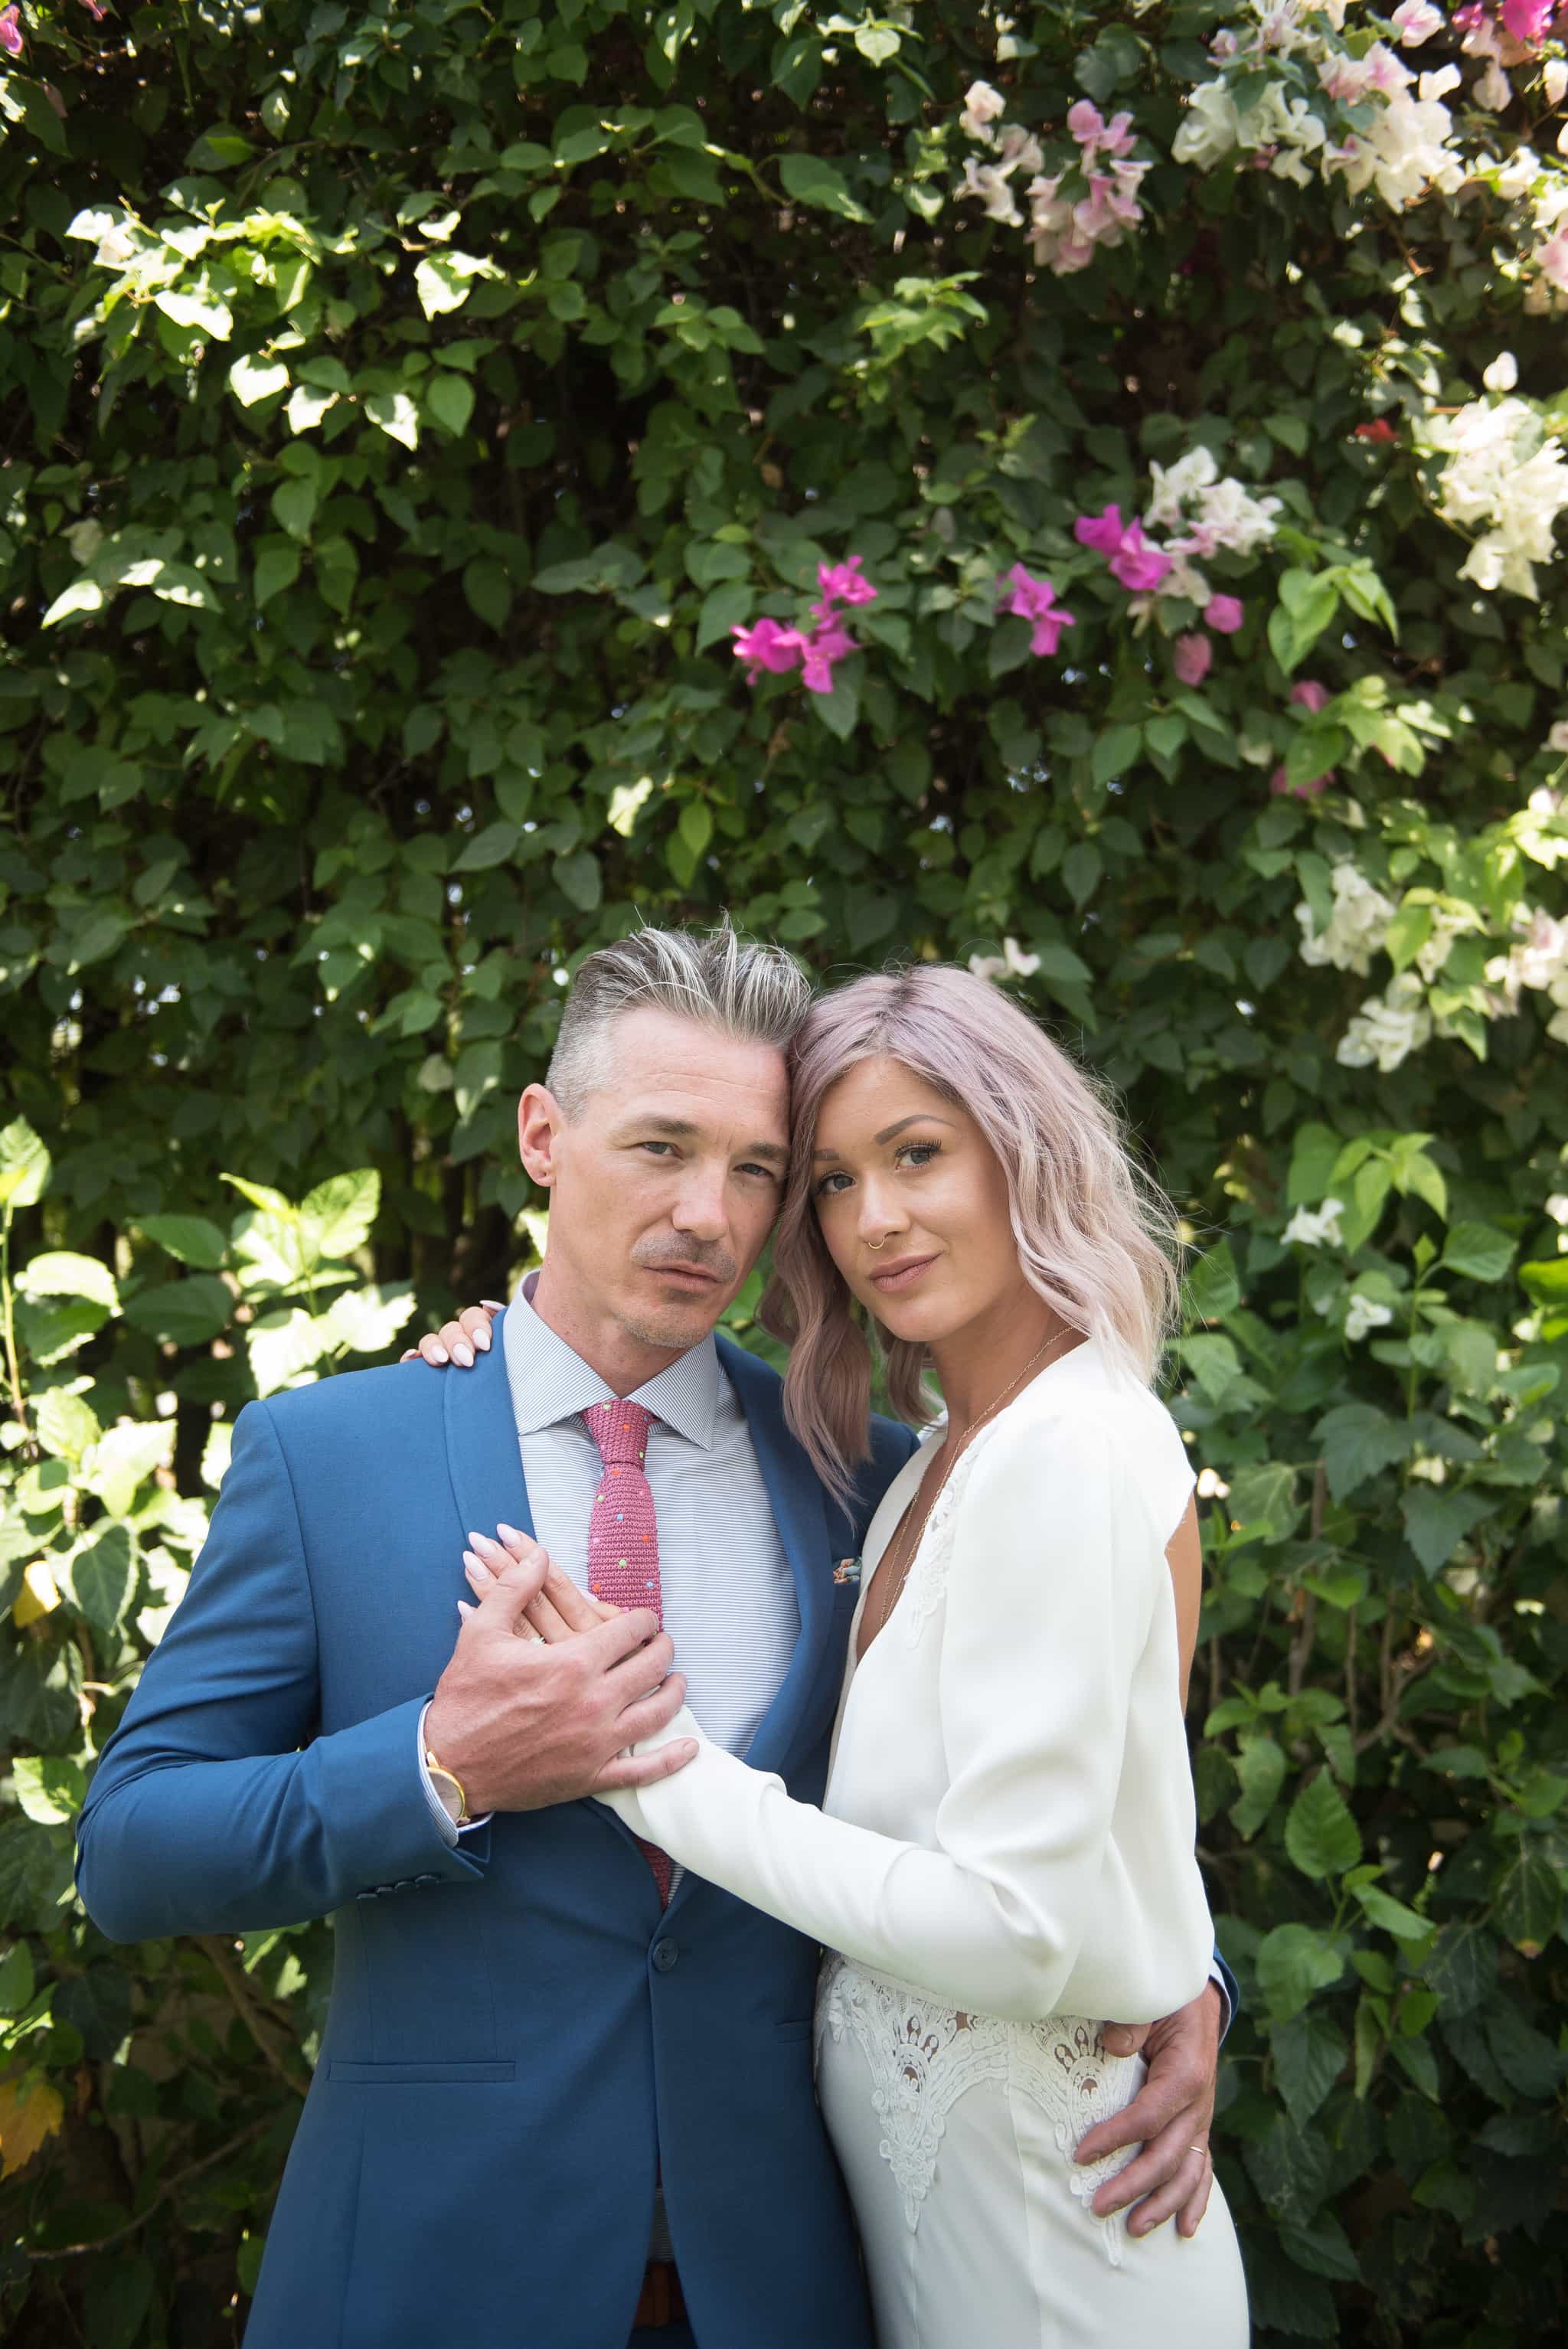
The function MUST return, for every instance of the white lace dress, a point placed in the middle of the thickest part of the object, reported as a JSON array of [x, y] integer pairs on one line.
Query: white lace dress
[[1004, 1856]]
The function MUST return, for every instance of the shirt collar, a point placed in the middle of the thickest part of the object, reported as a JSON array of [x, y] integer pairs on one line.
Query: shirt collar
[[549, 1383]]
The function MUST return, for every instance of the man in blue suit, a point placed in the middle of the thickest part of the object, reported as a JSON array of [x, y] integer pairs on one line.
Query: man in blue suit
[[551, 2110]]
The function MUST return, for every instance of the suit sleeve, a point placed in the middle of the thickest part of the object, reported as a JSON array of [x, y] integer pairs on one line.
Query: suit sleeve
[[205, 1814], [1038, 1654]]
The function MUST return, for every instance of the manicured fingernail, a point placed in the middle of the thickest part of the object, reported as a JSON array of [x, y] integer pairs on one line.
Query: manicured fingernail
[[493, 1305], [464, 1608], [510, 1534], [481, 1542], [464, 1355], [473, 1566], [437, 1354], [482, 1339]]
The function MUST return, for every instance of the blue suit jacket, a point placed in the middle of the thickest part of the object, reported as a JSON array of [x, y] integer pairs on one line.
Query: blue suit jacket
[[517, 2036]]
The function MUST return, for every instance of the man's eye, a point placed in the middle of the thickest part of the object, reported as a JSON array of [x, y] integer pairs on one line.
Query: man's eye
[[656, 1145], [767, 1173]]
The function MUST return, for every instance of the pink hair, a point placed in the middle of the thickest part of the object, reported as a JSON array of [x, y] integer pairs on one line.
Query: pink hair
[[1097, 1238]]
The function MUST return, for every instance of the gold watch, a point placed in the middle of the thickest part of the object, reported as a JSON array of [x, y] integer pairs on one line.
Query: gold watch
[[442, 1778]]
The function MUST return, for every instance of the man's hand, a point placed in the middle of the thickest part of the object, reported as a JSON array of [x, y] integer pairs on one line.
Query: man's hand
[[1169, 2117], [523, 1722]]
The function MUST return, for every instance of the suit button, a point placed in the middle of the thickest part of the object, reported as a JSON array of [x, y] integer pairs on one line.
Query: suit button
[[381, 1889], [366, 1895], [667, 1956], [427, 1880]]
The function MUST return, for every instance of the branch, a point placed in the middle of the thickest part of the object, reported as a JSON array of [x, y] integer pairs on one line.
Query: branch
[[169, 2186], [272, 2042]]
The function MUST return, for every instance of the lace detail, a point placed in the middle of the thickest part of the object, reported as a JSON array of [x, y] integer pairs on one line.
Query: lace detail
[[922, 2056], [925, 1586]]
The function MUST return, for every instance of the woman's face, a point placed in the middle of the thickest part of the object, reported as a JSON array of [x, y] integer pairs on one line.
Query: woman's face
[[912, 1204]]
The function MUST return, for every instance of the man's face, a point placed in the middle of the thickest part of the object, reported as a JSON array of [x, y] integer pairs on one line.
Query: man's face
[[664, 1185]]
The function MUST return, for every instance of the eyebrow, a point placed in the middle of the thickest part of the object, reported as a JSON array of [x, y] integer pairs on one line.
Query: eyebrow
[[681, 1129], [916, 1117]]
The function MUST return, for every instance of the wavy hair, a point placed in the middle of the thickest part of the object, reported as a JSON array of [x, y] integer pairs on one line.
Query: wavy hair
[[1097, 1238]]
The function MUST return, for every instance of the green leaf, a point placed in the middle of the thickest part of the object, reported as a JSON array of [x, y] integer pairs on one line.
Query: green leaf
[[50, 1788], [1309, 2053], [1115, 751], [488, 591], [1292, 1963], [67, 1426], [578, 880], [183, 1312], [191, 1238], [1357, 1441], [1320, 1834], [450, 399], [251, 380], [840, 710], [366, 1321], [118, 2296], [1528, 1903], [488, 848], [1437, 1521], [282, 1345], [277, 567], [59, 1273], [1213, 1286], [1392, 1915], [293, 505], [24, 1165], [811, 180], [724, 608], [1259, 1766], [1478, 1251], [337, 1218], [102, 1576]]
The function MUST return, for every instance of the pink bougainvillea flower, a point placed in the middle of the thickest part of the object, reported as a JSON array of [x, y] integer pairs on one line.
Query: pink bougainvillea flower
[[1102, 531], [1223, 615], [95, 10], [766, 644], [1139, 565], [1309, 694], [1551, 259], [842, 583], [10, 32], [1527, 20], [1379, 428], [1192, 658], [1095, 136], [1035, 600], [829, 641]]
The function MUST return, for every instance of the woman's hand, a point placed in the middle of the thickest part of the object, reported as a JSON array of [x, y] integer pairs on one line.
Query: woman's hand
[[455, 1342], [559, 1611]]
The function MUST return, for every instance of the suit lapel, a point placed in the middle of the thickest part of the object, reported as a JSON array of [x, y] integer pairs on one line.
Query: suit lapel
[[800, 1512], [482, 1452]]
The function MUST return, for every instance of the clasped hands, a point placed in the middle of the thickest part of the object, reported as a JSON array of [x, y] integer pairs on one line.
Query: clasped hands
[[547, 1692]]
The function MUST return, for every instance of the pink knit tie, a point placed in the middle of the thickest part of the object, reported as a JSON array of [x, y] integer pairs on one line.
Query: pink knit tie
[[624, 1540]]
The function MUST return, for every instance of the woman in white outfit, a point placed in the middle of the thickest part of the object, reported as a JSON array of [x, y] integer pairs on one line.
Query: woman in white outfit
[[1006, 1846]]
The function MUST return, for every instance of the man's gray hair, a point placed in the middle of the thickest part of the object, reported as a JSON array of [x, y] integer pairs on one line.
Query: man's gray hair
[[742, 989]]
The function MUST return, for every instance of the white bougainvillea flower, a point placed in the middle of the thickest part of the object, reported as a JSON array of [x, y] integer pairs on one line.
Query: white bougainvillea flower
[[1415, 22], [1357, 925], [989, 182], [1365, 1314], [1011, 963], [1208, 129], [1318, 1226], [981, 105]]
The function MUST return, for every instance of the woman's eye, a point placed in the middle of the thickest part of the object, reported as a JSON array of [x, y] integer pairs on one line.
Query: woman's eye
[[824, 1192], [920, 1154]]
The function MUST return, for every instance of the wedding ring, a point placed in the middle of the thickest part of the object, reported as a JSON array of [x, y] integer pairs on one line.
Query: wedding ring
[[1197, 2148]]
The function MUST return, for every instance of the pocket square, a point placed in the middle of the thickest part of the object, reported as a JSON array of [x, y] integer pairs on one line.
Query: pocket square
[[848, 1569]]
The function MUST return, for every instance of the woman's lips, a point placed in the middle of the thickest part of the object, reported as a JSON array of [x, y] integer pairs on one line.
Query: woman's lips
[[902, 1276]]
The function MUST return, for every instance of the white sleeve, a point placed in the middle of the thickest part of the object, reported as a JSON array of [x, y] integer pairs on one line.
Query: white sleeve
[[1048, 1608], [446, 1825]]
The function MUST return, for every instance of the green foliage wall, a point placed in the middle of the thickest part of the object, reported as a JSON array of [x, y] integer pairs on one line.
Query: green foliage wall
[[403, 406]]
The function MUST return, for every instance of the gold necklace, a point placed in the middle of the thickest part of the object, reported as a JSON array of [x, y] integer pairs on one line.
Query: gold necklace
[[895, 1583]]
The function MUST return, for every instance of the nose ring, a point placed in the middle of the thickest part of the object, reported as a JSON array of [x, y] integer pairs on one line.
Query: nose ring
[[881, 1243]]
